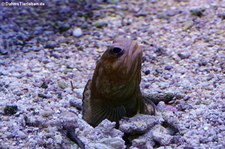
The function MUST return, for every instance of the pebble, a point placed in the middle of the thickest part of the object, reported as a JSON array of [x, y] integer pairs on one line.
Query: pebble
[[108, 1], [58, 138], [38, 30], [22, 36], [42, 95], [126, 21], [172, 13], [161, 136], [184, 55], [21, 134], [3, 52], [48, 33], [199, 12], [36, 48], [162, 15], [160, 51], [168, 67], [221, 15], [161, 106], [2, 62], [51, 45], [44, 85], [63, 27], [59, 49], [62, 84], [139, 124], [85, 26], [202, 63], [76, 103], [159, 70], [206, 128], [79, 92], [10, 110], [113, 1], [147, 72], [164, 85], [47, 113], [167, 75], [77, 32], [171, 108], [182, 106], [100, 24]]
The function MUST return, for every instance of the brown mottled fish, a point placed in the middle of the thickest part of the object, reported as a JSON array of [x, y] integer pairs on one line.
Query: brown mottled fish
[[114, 91]]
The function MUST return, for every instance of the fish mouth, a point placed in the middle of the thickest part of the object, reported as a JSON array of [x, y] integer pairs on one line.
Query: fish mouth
[[136, 53], [134, 58]]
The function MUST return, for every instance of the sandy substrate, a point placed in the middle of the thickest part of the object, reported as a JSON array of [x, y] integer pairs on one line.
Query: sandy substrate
[[47, 54]]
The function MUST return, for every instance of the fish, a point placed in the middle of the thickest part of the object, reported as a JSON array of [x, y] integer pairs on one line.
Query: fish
[[114, 90]]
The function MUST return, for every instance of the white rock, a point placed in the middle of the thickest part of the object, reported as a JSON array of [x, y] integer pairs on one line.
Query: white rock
[[77, 32]]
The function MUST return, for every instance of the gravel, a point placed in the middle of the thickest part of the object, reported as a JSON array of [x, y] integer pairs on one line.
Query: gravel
[[45, 63]]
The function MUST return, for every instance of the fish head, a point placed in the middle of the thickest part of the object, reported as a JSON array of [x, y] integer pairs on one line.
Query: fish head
[[122, 59], [118, 72]]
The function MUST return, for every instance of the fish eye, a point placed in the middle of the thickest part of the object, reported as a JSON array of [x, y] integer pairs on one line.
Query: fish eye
[[116, 50]]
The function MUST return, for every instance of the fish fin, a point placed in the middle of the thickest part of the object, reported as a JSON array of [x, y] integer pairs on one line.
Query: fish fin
[[95, 111], [149, 106], [102, 111], [86, 106], [99, 113]]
